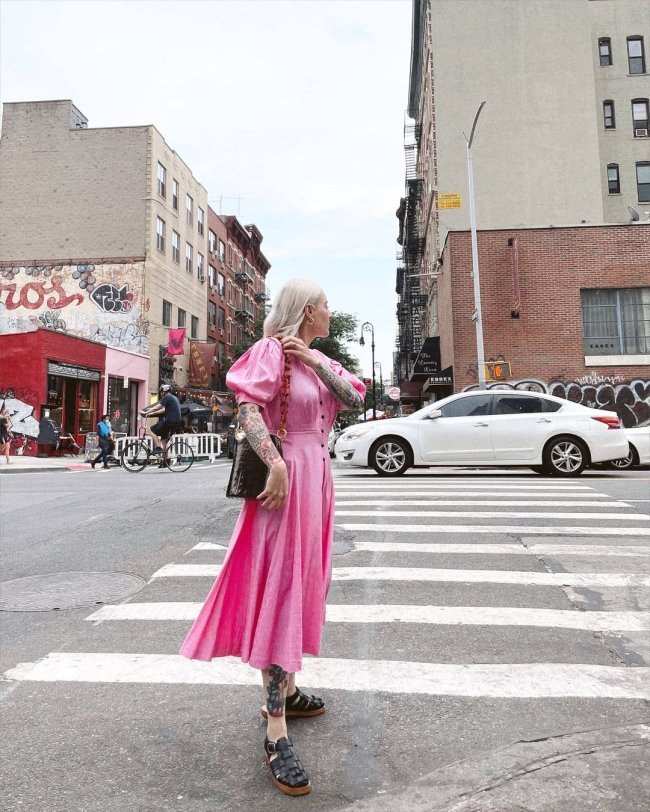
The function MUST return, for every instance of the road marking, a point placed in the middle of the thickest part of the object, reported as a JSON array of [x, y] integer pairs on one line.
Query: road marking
[[469, 494], [434, 615], [462, 485], [474, 502], [496, 514], [490, 680], [503, 548], [448, 575], [507, 529]]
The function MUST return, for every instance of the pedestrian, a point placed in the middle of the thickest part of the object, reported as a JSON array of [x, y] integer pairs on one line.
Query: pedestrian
[[5, 433], [106, 441], [268, 604]]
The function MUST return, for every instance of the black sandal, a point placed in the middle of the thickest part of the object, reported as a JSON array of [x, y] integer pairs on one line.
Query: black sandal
[[287, 772], [301, 705]]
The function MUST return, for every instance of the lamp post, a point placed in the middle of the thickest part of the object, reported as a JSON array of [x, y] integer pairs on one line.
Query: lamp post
[[476, 316], [381, 383], [369, 327]]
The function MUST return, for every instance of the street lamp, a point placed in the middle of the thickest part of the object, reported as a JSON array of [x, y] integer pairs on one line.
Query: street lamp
[[381, 382], [368, 327], [476, 316]]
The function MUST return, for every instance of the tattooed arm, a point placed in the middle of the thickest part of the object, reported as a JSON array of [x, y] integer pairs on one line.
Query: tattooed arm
[[342, 390], [276, 491]]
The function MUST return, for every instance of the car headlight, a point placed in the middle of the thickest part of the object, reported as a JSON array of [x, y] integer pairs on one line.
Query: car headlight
[[356, 433]]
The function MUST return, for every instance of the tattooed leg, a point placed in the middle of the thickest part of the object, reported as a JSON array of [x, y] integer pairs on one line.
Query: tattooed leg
[[275, 688], [340, 388], [257, 434]]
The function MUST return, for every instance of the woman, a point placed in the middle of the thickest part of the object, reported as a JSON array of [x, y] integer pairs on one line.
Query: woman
[[5, 433], [268, 604]]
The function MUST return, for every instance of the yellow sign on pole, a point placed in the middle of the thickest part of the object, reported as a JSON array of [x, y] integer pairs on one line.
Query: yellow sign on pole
[[449, 202]]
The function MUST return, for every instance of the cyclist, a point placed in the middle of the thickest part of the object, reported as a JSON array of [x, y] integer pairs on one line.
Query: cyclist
[[169, 406]]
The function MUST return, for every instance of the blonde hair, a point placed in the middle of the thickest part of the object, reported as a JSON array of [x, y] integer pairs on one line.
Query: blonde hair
[[288, 311]]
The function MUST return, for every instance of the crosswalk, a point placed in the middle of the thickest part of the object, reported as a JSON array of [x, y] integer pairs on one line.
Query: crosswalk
[[501, 554]]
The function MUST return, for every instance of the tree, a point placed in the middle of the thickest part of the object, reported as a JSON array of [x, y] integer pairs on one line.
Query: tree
[[344, 330]]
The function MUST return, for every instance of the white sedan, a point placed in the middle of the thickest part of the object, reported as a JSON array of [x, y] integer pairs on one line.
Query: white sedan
[[639, 439], [493, 427]]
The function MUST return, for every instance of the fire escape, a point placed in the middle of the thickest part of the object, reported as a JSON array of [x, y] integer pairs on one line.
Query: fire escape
[[411, 298]]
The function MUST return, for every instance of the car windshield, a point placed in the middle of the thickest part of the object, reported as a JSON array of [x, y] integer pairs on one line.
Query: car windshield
[[426, 409]]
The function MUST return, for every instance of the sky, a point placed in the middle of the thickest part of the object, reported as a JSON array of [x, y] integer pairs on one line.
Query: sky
[[289, 112]]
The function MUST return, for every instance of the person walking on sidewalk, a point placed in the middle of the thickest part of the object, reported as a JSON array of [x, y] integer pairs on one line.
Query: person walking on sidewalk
[[106, 441], [5, 433], [268, 604]]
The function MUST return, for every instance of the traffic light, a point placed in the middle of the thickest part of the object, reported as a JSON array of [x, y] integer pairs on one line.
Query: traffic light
[[497, 370]]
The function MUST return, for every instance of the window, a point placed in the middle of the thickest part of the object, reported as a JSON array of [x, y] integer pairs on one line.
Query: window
[[221, 324], [616, 322], [472, 406], [212, 275], [523, 404], [189, 210], [176, 246], [162, 180], [175, 194], [635, 55], [182, 317], [195, 327], [212, 314], [643, 181], [230, 255], [222, 251], [221, 285], [605, 51], [212, 241], [640, 117], [221, 352], [160, 234], [613, 179], [167, 314], [609, 120], [188, 257], [200, 267], [200, 216]]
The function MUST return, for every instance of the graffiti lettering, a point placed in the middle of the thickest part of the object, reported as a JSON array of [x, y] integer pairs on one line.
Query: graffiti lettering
[[39, 290], [111, 299], [51, 321], [629, 399]]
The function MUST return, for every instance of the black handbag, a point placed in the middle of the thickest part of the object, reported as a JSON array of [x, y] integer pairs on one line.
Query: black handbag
[[249, 472]]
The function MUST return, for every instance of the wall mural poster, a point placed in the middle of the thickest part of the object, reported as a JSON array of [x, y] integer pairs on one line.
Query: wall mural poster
[[102, 302]]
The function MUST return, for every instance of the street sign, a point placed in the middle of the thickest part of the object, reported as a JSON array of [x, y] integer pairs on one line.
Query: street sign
[[449, 202], [394, 393]]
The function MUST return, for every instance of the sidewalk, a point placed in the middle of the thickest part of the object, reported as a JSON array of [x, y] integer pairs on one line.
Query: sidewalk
[[24, 464]]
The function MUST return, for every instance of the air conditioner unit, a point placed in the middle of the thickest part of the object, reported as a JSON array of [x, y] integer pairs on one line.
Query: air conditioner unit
[[641, 133], [213, 254], [201, 277]]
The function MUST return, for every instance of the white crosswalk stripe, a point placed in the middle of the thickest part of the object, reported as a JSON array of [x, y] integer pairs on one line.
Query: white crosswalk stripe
[[577, 522]]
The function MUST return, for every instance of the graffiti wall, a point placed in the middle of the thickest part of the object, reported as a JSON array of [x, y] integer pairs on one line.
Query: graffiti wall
[[630, 399], [102, 302]]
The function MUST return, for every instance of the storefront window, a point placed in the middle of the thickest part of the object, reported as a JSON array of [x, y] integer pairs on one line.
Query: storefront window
[[55, 386], [87, 391], [119, 404]]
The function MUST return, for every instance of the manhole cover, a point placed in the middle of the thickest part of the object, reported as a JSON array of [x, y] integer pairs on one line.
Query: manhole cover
[[66, 590]]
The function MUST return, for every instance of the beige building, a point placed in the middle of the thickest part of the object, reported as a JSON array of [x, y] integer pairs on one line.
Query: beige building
[[563, 138], [75, 199]]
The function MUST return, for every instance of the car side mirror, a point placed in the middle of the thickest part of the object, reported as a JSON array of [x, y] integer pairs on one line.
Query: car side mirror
[[434, 414]]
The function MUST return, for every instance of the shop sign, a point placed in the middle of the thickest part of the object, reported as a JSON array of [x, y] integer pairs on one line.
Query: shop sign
[[428, 360], [73, 372], [449, 202], [444, 378]]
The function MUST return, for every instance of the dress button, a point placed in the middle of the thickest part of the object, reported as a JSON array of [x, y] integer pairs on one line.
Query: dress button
[[322, 445], [322, 417], [322, 431]]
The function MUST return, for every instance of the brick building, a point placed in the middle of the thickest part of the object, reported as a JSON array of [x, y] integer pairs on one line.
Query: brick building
[[568, 309]]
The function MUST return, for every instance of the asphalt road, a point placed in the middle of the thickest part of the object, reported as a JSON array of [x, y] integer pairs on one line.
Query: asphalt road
[[477, 622]]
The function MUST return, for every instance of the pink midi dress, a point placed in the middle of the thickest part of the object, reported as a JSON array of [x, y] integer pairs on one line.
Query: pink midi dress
[[268, 603]]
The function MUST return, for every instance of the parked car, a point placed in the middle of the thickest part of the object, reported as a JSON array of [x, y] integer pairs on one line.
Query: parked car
[[488, 428], [638, 438]]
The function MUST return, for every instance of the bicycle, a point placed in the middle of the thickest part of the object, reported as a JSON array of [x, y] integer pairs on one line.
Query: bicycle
[[177, 455]]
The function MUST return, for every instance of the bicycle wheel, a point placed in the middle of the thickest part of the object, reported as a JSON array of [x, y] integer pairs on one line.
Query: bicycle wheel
[[178, 455], [134, 456]]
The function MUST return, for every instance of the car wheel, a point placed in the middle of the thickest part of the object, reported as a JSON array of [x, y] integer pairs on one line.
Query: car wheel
[[390, 456], [625, 463], [539, 469], [565, 456]]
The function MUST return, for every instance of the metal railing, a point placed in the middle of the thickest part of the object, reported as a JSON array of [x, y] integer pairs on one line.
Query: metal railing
[[205, 446]]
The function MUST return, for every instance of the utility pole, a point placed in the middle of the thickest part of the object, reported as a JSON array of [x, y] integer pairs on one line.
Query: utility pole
[[476, 316]]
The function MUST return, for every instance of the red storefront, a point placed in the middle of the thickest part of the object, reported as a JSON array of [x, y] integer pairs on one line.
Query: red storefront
[[49, 371]]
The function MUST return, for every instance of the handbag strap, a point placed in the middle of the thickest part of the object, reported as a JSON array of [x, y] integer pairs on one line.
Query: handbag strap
[[285, 388]]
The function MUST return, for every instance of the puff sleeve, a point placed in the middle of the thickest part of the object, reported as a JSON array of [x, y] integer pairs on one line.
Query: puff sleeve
[[347, 376], [256, 377]]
